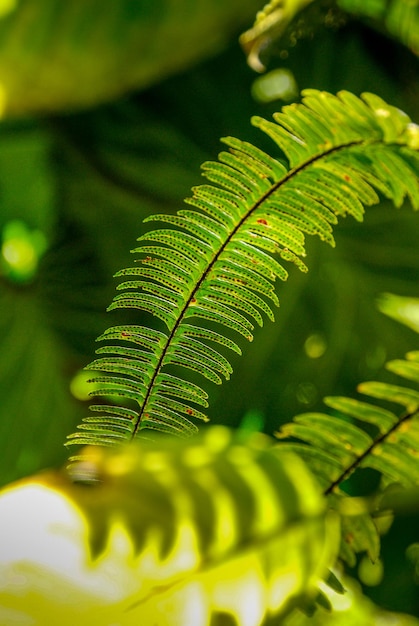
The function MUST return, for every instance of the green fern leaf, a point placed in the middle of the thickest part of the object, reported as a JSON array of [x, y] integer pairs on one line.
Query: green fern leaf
[[335, 446], [217, 264]]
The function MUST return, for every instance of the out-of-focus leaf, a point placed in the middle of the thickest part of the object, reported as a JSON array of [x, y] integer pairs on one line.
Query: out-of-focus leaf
[[64, 55], [401, 308], [351, 609], [269, 25], [35, 403], [35, 406], [398, 18], [282, 23], [187, 532]]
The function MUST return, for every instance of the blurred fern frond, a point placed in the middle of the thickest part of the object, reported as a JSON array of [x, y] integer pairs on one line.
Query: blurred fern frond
[[224, 511], [212, 269]]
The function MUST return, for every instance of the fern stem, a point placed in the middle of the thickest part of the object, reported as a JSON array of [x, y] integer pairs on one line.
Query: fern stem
[[370, 450]]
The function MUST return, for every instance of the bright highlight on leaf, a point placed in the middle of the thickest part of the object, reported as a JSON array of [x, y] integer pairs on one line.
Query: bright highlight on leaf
[[279, 84], [175, 532], [209, 272], [401, 308], [21, 251], [6, 6]]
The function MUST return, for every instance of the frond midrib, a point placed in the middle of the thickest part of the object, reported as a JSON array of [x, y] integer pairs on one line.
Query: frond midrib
[[380, 439], [274, 187]]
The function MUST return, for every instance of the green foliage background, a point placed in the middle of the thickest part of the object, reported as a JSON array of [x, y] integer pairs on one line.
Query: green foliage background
[[107, 118]]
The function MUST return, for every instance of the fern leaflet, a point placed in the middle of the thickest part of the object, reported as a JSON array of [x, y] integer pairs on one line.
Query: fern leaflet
[[212, 269]]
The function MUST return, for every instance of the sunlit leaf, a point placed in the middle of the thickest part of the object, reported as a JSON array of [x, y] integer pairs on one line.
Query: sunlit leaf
[[166, 533]]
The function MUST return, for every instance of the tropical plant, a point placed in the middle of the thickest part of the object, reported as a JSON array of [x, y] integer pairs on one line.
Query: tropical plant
[[227, 527]]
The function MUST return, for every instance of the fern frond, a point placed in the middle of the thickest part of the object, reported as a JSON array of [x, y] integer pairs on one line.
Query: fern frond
[[213, 268], [335, 446], [221, 511]]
